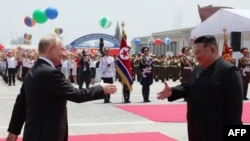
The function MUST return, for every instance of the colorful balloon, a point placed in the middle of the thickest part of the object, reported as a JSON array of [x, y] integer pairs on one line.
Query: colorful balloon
[[105, 22], [158, 41], [137, 42], [39, 16], [167, 41], [58, 31], [1, 47], [29, 21], [191, 40], [51, 12], [27, 36]]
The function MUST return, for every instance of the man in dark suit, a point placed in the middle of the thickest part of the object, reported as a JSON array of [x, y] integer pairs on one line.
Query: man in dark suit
[[214, 93], [41, 104]]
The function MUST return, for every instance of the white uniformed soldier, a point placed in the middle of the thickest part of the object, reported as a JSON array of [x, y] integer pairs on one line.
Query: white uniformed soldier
[[107, 69]]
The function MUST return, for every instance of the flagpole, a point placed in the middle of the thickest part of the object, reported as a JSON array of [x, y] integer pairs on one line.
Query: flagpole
[[225, 50], [122, 25]]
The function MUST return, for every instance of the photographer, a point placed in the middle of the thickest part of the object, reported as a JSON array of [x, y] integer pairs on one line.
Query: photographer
[[107, 69], [84, 70]]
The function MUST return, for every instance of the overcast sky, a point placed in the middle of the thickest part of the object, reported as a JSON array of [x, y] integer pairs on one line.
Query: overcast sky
[[80, 17]]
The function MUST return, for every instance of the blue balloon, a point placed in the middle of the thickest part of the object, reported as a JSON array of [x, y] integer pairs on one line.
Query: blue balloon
[[51, 12], [137, 42], [167, 41]]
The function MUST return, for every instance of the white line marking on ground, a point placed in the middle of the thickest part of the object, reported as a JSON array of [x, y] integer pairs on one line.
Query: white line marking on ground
[[100, 124], [114, 123]]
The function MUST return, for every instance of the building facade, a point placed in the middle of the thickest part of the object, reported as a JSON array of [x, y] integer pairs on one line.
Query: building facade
[[177, 39]]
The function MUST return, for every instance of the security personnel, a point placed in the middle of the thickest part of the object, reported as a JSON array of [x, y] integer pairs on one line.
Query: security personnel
[[243, 65], [186, 64], [146, 73]]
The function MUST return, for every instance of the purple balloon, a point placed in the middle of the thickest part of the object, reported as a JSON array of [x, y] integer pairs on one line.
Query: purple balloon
[[51, 12]]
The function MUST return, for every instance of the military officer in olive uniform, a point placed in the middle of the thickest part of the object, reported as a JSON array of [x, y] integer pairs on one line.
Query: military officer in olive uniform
[[243, 65], [175, 68], [137, 61], [168, 68], [156, 68], [186, 62]]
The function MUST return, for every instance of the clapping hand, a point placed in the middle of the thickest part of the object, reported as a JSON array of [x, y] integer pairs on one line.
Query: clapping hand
[[165, 93]]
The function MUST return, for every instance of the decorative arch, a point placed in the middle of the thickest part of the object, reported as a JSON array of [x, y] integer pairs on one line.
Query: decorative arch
[[95, 36]]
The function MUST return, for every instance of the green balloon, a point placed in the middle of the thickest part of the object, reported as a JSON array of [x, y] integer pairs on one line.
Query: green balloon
[[105, 22], [39, 16]]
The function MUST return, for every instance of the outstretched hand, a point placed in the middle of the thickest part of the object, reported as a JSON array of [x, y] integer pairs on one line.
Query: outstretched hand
[[165, 93], [108, 88], [11, 137]]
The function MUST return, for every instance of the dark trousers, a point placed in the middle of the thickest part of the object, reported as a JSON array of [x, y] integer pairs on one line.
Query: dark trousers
[[24, 72], [78, 75], [11, 75], [145, 92], [84, 77], [107, 96], [126, 93], [245, 85]]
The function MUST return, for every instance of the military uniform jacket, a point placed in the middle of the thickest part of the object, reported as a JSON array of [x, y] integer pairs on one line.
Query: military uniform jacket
[[186, 68], [214, 98], [145, 66], [243, 65]]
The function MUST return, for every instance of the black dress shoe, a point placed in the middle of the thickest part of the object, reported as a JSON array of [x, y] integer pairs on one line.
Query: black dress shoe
[[245, 98], [107, 102], [146, 101], [128, 101]]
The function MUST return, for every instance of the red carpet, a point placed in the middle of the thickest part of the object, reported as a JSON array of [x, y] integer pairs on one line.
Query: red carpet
[[145, 136], [171, 112]]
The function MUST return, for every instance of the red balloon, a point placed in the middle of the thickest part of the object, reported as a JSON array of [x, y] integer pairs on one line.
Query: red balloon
[[29, 21], [158, 41], [1, 47]]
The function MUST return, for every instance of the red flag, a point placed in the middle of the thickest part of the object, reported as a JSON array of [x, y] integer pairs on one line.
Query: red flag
[[225, 52], [123, 64]]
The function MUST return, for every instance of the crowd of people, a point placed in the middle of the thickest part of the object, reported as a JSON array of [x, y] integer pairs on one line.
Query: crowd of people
[[81, 67]]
